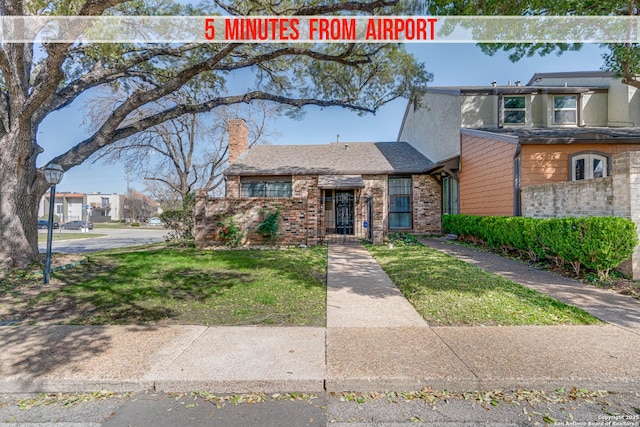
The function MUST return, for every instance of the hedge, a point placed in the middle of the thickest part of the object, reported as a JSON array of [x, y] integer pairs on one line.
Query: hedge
[[597, 243]]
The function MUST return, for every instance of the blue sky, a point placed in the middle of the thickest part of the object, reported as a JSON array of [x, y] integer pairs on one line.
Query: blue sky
[[451, 65]]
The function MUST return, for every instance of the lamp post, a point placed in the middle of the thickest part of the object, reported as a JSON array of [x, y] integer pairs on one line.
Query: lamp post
[[53, 173]]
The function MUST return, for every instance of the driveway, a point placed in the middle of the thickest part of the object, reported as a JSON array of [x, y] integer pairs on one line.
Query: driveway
[[114, 239]]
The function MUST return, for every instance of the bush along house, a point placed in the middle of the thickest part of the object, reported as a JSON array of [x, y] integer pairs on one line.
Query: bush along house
[[332, 192], [563, 145]]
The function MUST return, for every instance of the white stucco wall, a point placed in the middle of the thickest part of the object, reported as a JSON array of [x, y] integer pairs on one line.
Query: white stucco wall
[[594, 109], [434, 127], [479, 111]]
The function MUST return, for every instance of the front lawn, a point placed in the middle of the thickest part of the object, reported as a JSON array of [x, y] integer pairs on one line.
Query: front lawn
[[447, 291], [176, 286]]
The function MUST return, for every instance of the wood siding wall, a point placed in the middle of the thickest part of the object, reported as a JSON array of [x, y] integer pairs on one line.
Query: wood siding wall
[[486, 176], [543, 164]]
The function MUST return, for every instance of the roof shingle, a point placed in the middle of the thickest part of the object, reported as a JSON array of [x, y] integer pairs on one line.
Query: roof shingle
[[331, 159]]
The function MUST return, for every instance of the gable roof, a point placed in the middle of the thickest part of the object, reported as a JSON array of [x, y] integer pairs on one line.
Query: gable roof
[[331, 159]]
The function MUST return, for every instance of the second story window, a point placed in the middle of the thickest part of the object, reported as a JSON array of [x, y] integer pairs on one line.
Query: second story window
[[565, 109], [513, 110]]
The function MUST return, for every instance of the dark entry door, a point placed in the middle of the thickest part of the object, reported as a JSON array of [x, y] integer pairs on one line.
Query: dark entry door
[[344, 211]]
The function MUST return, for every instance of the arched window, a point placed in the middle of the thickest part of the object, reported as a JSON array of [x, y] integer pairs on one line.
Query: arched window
[[589, 166]]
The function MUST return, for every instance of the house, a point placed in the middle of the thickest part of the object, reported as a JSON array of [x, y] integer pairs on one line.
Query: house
[[564, 144], [67, 207], [100, 207], [330, 191], [523, 135]]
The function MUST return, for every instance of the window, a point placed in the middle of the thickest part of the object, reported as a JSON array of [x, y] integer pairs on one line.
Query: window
[[589, 166], [565, 109], [266, 189], [513, 110], [449, 195], [400, 203], [105, 202]]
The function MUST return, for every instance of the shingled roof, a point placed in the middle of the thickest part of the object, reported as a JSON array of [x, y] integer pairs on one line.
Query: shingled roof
[[331, 159], [567, 135]]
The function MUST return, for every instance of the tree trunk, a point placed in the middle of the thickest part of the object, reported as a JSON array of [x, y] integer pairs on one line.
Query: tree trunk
[[21, 187]]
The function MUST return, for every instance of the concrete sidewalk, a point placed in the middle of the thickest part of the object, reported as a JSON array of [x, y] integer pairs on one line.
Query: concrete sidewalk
[[374, 340], [387, 345]]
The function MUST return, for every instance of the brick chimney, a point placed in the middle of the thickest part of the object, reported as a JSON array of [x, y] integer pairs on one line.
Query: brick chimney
[[238, 139]]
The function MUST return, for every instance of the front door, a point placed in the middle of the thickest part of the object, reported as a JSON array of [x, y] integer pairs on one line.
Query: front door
[[344, 211]]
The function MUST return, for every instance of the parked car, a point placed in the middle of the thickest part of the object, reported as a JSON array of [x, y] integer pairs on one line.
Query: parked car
[[77, 225], [43, 223], [155, 221]]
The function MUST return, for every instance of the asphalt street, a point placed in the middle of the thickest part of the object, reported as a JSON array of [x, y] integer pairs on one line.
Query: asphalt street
[[116, 238], [338, 410]]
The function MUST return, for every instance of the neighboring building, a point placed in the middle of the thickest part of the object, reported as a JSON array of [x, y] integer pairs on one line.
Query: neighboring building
[[104, 207], [336, 190], [100, 207], [67, 207], [499, 137], [559, 146]]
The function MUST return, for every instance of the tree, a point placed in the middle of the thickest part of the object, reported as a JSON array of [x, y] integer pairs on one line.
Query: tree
[[624, 59], [137, 207], [34, 82], [188, 152]]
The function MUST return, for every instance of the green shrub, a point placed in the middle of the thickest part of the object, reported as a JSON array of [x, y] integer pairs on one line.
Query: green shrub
[[181, 223], [607, 243], [229, 232], [268, 228], [402, 238], [597, 243]]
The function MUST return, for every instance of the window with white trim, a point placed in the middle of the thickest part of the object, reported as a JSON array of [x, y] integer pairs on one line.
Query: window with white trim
[[565, 109], [589, 166], [513, 110]]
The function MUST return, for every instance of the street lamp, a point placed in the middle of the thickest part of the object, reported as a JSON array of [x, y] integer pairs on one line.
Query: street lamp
[[53, 173]]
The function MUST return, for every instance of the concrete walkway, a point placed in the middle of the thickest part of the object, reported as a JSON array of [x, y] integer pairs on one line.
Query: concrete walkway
[[387, 345], [604, 304], [374, 340]]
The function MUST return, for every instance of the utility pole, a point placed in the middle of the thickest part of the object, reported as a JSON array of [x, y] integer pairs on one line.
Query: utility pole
[[127, 168]]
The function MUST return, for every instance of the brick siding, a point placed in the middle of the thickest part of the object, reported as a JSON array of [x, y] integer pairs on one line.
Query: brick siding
[[301, 214], [616, 195], [427, 204], [248, 213], [588, 197]]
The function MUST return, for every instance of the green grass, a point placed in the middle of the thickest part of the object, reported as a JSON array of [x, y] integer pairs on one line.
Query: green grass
[[188, 286], [447, 291], [57, 236]]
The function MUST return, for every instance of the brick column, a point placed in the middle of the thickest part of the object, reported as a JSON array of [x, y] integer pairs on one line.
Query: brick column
[[233, 188], [378, 215], [626, 196], [200, 215], [426, 205]]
